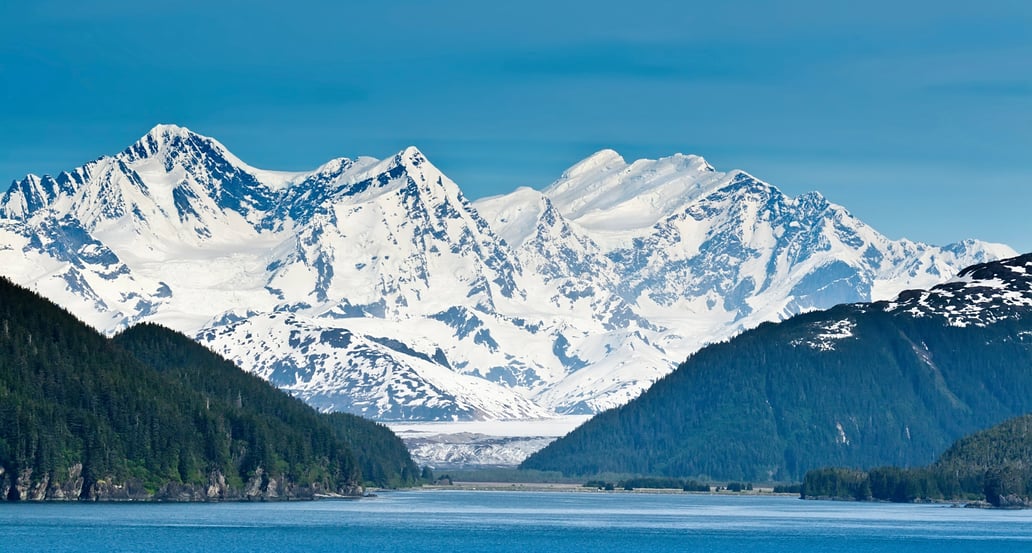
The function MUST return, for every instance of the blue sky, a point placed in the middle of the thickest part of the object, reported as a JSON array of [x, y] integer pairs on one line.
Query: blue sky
[[915, 115]]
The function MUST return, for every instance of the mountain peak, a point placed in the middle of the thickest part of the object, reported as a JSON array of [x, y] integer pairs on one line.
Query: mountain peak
[[688, 161], [410, 157], [169, 129], [604, 191], [164, 133], [164, 137], [599, 162], [411, 161], [411, 151]]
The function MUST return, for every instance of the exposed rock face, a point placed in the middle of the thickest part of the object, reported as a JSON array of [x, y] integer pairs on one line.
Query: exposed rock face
[[72, 486], [1010, 501], [216, 485]]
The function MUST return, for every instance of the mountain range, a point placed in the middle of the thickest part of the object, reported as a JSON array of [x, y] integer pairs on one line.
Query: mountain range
[[859, 385], [376, 287]]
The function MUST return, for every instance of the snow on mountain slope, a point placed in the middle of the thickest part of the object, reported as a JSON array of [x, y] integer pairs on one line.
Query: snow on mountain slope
[[171, 184], [165, 230], [707, 254], [605, 193], [64, 263], [694, 255], [375, 286], [581, 285], [335, 369], [405, 228], [980, 295]]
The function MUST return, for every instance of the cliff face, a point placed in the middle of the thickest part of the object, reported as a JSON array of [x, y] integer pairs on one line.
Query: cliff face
[[70, 485]]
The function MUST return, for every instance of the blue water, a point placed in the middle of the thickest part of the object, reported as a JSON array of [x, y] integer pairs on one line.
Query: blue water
[[481, 521]]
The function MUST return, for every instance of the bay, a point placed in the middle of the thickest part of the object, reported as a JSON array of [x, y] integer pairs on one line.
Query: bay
[[493, 521]]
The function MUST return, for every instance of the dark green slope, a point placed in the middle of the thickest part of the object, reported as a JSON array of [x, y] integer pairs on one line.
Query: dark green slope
[[83, 417], [897, 388], [381, 456], [997, 462], [1006, 444], [994, 465]]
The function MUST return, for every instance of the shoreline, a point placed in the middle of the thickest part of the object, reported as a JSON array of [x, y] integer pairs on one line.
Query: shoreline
[[579, 488], [756, 492]]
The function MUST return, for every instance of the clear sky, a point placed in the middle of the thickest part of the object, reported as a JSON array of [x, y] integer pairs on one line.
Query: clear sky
[[915, 115]]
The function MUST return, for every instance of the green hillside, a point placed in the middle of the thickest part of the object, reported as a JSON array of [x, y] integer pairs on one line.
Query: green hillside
[[150, 414], [382, 457], [994, 465]]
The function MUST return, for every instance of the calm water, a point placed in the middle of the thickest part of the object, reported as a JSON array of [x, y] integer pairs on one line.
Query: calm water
[[456, 521]]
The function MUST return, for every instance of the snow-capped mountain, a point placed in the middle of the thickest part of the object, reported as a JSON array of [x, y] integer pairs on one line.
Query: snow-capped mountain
[[376, 287], [688, 255]]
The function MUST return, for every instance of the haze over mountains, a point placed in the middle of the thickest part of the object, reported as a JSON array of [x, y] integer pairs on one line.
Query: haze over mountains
[[375, 287]]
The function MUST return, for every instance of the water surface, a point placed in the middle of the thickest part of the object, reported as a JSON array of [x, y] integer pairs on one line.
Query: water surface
[[481, 521]]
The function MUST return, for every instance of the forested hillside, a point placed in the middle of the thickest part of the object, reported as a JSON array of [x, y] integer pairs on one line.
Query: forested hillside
[[151, 415], [864, 385], [380, 454], [994, 465]]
